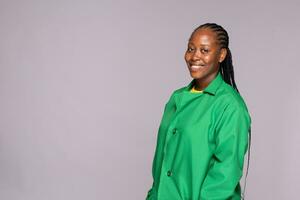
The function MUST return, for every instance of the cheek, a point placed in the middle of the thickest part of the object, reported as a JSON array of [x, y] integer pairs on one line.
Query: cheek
[[207, 59], [211, 59], [186, 57]]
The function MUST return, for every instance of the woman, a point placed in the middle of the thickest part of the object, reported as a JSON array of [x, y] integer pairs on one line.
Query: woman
[[203, 135]]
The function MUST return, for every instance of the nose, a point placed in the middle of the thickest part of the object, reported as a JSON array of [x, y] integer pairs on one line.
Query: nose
[[196, 55]]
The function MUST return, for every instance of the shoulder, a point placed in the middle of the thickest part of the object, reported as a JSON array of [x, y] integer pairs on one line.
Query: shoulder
[[230, 97], [233, 104], [177, 92]]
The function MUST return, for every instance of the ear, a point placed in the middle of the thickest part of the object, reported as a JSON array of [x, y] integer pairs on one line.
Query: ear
[[223, 54]]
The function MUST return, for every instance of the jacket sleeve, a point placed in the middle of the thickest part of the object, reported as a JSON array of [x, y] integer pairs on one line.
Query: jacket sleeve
[[231, 140], [158, 151], [149, 194]]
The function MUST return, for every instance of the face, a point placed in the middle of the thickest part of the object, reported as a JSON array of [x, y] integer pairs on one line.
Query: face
[[203, 57]]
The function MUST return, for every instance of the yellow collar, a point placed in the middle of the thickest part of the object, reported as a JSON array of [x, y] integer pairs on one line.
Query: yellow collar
[[193, 90]]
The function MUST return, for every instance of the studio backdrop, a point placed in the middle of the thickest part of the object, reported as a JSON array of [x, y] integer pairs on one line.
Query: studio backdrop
[[83, 85]]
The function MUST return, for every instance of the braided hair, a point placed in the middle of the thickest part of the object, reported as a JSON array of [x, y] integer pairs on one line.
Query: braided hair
[[226, 70]]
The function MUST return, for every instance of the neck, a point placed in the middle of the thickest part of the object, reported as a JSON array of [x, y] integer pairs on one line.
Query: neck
[[202, 83]]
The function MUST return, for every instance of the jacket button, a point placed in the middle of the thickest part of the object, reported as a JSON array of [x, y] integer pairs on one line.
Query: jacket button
[[169, 173], [174, 131]]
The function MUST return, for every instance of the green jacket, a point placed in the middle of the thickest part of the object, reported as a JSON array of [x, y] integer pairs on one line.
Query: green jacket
[[201, 144]]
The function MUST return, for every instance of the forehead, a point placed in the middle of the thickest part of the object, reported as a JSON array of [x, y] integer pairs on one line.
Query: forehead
[[204, 37]]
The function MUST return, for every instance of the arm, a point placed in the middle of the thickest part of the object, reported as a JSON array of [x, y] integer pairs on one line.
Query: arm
[[231, 137], [149, 193], [156, 164]]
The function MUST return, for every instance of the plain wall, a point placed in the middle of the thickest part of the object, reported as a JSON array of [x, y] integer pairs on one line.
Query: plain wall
[[83, 85]]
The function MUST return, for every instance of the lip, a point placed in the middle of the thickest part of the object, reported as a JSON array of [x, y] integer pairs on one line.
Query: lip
[[194, 67], [196, 63]]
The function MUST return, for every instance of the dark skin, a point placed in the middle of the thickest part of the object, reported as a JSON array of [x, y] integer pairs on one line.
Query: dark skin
[[203, 57]]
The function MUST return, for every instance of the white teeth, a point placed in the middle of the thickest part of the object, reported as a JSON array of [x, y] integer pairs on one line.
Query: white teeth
[[196, 66]]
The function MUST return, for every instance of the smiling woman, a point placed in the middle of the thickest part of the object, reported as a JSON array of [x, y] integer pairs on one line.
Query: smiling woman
[[205, 129], [203, 56]]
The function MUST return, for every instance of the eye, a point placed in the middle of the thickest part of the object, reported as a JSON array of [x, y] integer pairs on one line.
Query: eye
[[190, 49], [204, 51]]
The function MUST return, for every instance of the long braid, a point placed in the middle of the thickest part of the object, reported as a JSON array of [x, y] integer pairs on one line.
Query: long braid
[[227, 72]]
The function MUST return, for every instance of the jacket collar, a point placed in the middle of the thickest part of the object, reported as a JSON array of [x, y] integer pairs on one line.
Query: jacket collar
[[212, 86]]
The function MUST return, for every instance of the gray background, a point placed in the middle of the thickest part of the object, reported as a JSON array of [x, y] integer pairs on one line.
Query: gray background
[[83, 85]]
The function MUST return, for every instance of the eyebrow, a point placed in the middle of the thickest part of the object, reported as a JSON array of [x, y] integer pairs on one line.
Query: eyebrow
[[206, 45]]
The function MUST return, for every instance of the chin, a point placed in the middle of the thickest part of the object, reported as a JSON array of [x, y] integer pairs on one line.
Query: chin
[[196, 75]]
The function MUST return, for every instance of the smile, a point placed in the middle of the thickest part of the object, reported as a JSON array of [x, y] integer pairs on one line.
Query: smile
[[196, 67]]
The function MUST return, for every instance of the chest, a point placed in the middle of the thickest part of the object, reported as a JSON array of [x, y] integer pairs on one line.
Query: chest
[[194, 117]]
